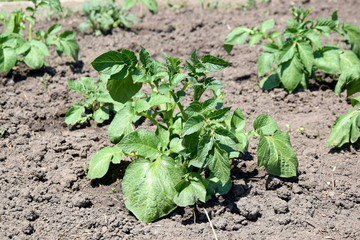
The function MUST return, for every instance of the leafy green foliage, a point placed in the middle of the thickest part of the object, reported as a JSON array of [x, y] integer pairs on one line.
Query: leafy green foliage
[[187, 158], [15, 48], [103, 16], [97, 104], [291, 58], [152, 5], [346, 128]]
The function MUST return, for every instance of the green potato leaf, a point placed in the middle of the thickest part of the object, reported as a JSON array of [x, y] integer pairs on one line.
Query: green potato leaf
[[236, 37], [190, 191], [267, 25], [122, 89], [109, 63], [356, 101], [215, 186], [193, 124], [143, 143], [219, 164], [149, 187], [287, 52], [265, 63], [35, 56], [7, 59], [121, 125], [75, 114], [205, 145], [100, 162], [345, 130], [270, 82], [276, 154], [238, 120], [306, 55], [328, 61], [265, 125], [214, 64], [352, 35], [291, 74], [101, 114]]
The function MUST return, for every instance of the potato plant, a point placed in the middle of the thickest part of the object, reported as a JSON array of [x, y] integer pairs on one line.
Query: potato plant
[[186, 157], [97, 104], [346, 129], [33, 48], [293, 57], [103, 16]]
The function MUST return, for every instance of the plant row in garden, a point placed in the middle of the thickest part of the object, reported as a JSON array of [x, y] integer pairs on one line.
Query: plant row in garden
[[187, 157], [293, 57]]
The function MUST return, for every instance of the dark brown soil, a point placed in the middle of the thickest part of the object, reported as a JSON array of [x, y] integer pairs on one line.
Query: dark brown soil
[[44, 192]]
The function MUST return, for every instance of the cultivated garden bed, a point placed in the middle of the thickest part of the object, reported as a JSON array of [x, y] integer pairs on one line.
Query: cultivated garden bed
[[44, 190]]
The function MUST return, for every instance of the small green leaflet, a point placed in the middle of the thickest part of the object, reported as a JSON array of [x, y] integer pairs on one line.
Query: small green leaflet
[[193, 124], [305, 52], [35, 56], [214, 186], [291, 74], [75, 114], [149, 187], [265, 125], [176, 145], [7, 59], [267, 25], [121, 125], [190, 190], [270, 82], [345, 130], [109, 63], [237, 36], [164, 136], [219, 164], [328, 60], [122, 89], [205, 145], [356, 101], [214, 64], [101, 114], [238, 120], [276, 155], [353, 37], [255, 38], [287, 52], [100, 162], [143, 143], [265, 63]]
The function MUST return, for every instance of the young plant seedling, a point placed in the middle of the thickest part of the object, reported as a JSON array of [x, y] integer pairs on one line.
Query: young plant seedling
[[186, 158], [97, 104], [293, 57], [152, 5], [32, 50], [347, 127], [103, 16]]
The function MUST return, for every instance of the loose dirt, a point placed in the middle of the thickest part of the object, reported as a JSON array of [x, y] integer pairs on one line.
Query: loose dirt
[[44, 192]]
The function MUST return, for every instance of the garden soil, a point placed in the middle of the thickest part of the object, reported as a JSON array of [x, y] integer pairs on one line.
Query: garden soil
[[44, 192]]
